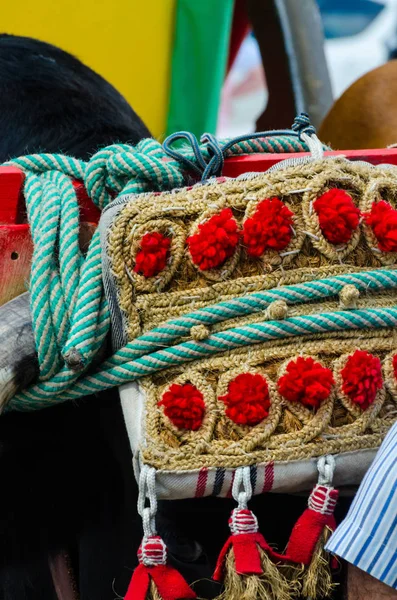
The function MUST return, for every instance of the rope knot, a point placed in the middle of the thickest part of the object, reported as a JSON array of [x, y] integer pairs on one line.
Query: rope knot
[[199, 332], [323, 499], [152, 551], [326, 468], [205, 161], [277, 310], [243, 521], [302, 125], [348, 296]]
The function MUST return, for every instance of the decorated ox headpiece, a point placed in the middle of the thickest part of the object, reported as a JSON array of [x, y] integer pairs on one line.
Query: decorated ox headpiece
[[253, 325]]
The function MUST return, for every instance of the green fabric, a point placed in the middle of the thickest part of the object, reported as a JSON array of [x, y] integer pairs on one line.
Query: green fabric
[[198, 66]]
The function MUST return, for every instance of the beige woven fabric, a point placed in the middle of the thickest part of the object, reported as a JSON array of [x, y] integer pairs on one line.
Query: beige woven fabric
[[291, 431]]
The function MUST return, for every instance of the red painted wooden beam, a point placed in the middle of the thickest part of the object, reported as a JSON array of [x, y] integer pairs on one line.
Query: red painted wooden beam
[[237, 165], [15, 241]]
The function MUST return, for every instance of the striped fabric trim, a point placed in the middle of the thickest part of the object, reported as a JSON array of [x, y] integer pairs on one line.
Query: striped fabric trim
[[367, 538], [202, 482], [268, 479], [219, 479], [281, 477], [219, 482], [253, 475]]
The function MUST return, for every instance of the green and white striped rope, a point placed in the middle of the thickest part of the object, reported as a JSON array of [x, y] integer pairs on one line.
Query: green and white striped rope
[[69, 310], [169, 332], [239, 337]]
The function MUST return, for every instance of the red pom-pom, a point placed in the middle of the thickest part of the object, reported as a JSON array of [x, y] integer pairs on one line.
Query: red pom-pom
[[215, 241], [383, 221], [338, 216], [152, 255], [270, 228], [184, 406], [306, 381], [362, 378], [247, 399]]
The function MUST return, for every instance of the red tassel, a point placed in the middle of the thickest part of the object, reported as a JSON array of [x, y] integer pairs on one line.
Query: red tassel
[[247, 565], [153, 567], [246, 553], [139, 584], [306, 546], [309, 527], [245, 541]]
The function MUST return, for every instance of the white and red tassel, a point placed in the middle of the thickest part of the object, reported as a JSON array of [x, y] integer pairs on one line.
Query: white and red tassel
[[154, 578], [247, 564], [310, 534]]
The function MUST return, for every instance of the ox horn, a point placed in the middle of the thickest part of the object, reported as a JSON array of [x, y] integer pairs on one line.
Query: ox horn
[[18, 358]]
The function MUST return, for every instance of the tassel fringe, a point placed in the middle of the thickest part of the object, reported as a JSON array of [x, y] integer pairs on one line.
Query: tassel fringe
[[310, 564], [154, 578], [271, 585], [317, 578], [153, 593]]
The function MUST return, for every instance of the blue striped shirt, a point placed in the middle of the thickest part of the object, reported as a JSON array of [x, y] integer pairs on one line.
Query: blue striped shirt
[[367, 537]]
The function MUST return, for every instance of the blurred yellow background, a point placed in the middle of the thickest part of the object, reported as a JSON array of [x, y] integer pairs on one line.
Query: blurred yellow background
[[129, 42]]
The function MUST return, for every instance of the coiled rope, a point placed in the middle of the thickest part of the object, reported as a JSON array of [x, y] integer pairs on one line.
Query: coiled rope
[[69, 310]]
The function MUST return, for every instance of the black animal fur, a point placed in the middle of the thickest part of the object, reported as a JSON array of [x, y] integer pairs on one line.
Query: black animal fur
[[62, 483], [51, 102]]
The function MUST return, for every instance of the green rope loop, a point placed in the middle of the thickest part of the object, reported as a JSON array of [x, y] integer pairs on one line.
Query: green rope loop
[[69, 309]]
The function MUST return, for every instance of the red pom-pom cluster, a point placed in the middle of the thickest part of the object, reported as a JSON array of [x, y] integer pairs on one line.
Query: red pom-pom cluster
[[383, 221], [338, 216], [184, 406], [270, 228], [362, 378], [215, 241], [306, 381], [152, 255], [247, 399]]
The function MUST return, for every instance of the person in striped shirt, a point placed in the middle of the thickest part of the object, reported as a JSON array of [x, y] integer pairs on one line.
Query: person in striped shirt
[[367, 538]]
